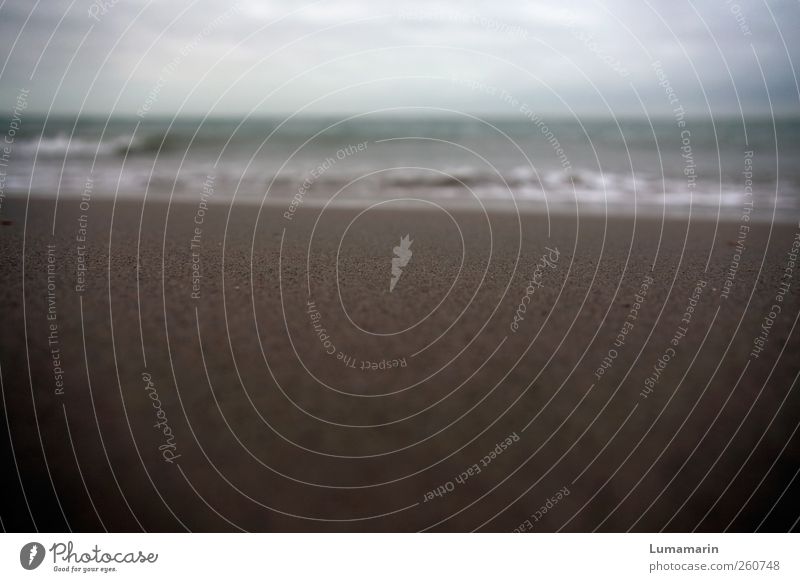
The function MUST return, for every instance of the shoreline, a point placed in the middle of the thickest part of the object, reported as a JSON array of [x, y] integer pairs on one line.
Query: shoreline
[[703, 213]]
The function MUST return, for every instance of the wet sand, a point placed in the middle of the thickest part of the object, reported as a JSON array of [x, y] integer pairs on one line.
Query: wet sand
[[207, 369]]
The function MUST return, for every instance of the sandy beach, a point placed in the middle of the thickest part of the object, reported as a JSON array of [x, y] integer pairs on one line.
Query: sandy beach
[[207, 367]]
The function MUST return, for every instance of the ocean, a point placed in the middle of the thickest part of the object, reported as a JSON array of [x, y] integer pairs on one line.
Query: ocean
[[612, 165]]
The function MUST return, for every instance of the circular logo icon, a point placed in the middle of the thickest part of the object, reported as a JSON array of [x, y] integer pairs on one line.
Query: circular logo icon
[[31, 555]]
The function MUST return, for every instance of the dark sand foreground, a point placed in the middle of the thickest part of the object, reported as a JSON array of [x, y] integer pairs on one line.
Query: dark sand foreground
[[237, 404]]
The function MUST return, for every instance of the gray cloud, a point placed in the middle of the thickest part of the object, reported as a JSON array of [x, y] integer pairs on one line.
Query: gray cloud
[[350, 56]]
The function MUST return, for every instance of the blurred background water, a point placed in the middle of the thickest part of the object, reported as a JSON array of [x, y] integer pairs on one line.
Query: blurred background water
[[615, 164]]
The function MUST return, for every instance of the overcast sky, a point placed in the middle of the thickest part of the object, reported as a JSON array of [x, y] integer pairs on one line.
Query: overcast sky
[[273, 57]]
